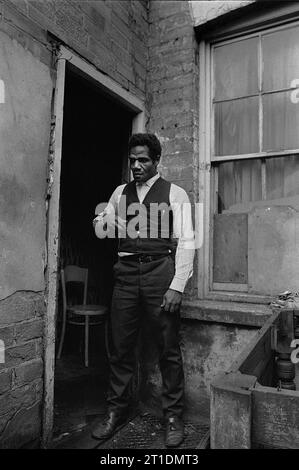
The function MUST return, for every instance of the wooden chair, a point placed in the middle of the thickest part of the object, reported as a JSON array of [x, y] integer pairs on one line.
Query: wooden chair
[[72, 313]]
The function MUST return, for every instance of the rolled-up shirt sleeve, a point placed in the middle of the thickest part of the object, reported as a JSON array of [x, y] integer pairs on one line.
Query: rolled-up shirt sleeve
[[184, 233]]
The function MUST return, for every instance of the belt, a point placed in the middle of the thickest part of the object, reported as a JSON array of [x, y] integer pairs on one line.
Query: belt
[[142, 258]]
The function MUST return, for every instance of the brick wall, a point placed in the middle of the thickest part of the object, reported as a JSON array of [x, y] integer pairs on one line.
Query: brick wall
[[110, 34], [21, 375], [172, 94]]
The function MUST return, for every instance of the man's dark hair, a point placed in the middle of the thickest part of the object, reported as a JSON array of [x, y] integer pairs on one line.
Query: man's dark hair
[[150, 140]]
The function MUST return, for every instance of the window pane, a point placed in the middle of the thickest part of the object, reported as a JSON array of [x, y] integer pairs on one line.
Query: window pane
[[280, 59], [239, 182], [280, 122], [236, 127], [282, 177], [236, 69]]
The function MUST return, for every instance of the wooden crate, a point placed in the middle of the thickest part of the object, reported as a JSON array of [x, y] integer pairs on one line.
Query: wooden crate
[[248, 409]]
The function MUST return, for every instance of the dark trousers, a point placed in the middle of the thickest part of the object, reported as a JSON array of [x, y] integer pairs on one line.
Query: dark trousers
[[137, 298]]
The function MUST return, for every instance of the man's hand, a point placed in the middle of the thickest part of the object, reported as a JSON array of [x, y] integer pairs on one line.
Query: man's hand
[[172, 301], [98, 218], [94, 222]]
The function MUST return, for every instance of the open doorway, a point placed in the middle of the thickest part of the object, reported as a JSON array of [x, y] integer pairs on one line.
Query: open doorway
[[96, 129]]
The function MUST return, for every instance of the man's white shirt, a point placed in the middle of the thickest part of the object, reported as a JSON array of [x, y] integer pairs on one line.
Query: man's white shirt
[[182, 227]]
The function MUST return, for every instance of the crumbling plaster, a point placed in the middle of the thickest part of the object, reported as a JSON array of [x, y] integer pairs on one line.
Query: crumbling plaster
[[24, 141]]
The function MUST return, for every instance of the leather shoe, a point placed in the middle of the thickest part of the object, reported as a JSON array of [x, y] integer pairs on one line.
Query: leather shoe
[[174, 431], [111, 423]]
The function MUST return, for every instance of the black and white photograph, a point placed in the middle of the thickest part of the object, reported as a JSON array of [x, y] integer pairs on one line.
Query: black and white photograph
[[149, 228]]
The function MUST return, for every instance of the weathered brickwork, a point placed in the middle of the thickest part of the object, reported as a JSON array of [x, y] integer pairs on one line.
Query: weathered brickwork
[[172, 94], [28, 372], [171, 88], [20, 415], [21, 333], [21, 307], [112, 35]]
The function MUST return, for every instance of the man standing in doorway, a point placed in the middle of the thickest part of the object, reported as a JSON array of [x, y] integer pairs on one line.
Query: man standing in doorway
[[155, 260]]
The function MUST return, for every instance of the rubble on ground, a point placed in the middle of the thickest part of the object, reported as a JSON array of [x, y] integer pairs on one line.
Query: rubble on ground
[[286, 299]]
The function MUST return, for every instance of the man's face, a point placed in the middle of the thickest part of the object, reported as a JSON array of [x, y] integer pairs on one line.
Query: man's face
[[142, 166]]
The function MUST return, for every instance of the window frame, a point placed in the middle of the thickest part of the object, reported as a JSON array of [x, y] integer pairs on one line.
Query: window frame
[[208, 163], [261, 154]]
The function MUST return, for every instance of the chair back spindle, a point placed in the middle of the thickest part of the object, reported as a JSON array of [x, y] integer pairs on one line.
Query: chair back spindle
[[72, 273]]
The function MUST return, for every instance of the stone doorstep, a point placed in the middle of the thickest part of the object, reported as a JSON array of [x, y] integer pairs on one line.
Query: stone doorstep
[[237, 313]]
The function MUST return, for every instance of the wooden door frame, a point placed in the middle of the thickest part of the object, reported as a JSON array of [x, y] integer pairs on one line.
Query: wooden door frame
[[133, 103]]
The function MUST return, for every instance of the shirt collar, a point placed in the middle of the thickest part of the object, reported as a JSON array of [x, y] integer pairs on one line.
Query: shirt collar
[[150, 181]]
